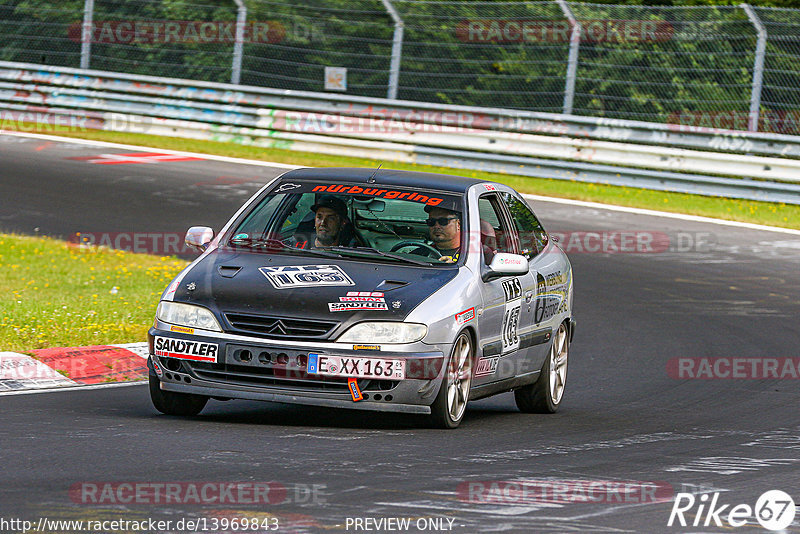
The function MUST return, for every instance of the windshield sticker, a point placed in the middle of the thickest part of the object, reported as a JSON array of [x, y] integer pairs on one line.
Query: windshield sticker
[[512, 290], [290, 277], [377, 192], [286, 187]]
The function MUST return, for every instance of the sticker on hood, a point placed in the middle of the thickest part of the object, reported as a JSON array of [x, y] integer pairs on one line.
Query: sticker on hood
[[359, 300], [291, 276]]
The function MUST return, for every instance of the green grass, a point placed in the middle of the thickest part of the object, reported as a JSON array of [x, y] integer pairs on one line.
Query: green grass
[[58, 295], [767, 213]]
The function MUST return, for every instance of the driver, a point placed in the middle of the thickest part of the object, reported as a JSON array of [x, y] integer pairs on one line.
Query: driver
[[330, 221], [330, 217], [445, 232]]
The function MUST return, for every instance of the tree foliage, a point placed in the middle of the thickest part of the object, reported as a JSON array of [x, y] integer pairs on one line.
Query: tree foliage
[[701, 61]]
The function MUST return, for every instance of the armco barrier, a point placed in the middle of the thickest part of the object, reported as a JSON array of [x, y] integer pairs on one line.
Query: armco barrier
[[736, 164]]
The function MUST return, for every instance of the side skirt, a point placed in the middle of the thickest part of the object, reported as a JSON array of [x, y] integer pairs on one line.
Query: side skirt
[[509, 384]]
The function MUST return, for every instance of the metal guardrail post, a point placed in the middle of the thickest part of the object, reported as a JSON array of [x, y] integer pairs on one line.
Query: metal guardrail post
[[758, 67], [572, 61], [397, 50], [87, 33], [241, 19]]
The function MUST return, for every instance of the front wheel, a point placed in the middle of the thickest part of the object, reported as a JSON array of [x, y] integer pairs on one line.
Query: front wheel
[[172, 403], [544, 395], [448, 409]]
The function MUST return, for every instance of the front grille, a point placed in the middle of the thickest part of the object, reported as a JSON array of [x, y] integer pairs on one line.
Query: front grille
[[245, 375], [280, 327], [275, 367]]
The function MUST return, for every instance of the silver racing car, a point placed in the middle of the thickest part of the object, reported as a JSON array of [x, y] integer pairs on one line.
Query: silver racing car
[[376, 290]]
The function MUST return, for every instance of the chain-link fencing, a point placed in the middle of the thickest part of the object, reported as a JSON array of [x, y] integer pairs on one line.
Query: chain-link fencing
[[731, 67]]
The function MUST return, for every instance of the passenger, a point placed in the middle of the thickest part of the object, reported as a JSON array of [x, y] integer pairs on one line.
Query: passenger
[[445, 232], [488, 241]]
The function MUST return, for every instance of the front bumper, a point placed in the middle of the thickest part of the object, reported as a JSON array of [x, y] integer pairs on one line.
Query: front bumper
[[275, 372]]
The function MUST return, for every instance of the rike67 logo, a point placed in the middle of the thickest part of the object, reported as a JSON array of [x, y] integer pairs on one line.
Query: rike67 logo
[[774, 510]]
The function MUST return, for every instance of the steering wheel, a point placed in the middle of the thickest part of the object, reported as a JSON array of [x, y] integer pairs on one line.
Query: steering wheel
[[432, 252]]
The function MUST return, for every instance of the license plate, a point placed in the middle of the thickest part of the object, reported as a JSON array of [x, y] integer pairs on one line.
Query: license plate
[[326, 364]]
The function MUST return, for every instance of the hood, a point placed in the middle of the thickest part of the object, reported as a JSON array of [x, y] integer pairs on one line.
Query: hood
[[314, 297]]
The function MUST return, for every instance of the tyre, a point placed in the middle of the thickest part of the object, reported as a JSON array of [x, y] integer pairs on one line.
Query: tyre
[[448, 409], [544, 395], [171, 403]]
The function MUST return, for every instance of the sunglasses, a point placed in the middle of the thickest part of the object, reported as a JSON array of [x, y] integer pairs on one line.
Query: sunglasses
[[443, 221]]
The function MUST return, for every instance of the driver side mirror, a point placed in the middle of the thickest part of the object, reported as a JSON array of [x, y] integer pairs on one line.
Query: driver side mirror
[[199, 237], [505, 264]]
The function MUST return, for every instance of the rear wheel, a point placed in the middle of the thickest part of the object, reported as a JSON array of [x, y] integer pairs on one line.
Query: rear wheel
[[448, 409], [172, 403], [544, 395]]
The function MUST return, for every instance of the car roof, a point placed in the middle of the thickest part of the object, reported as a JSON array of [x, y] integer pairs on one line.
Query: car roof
[[441, 182]]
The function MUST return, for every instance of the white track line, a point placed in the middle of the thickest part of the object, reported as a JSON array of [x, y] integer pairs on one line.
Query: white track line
[[242, 161], [67, 389], [670, 215], [120, 146]]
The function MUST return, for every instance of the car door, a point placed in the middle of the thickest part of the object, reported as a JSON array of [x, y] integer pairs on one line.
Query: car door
[[500, 354], [540, 312]]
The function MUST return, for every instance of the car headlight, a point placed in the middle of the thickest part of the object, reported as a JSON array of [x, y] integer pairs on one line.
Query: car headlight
[[187, 315], [384, 333]]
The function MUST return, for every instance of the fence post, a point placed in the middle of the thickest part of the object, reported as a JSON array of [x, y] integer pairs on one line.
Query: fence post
[[86, 33], [758, 68], [241, 19], [572, 61], [397, 50]]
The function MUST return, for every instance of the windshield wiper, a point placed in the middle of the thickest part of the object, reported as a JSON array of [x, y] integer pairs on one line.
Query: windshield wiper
[[278, 244], [370, 251]]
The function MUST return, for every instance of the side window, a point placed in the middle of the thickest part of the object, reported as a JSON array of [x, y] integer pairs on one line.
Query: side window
[[255, 225], [494, 233], [532, 236], [300, 218]]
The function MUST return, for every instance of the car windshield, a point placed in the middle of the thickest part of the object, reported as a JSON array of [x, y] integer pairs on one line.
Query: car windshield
[[380, 223]]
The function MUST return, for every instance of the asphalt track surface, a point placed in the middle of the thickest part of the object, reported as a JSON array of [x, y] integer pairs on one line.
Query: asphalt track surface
[[624, 419]]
